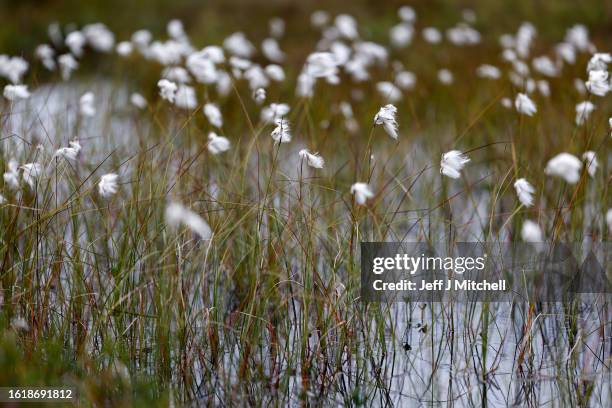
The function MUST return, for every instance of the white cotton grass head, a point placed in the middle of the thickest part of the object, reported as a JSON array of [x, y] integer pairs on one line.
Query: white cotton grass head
[[124, 48], [598, 83], [13, 68], [506, 103], [274, 111], [347, 26], [432, 35], [138, 100], [590, 159], [259, 96], [217, 144], [599, 62], [583, 112], [389, 92], [565, 166], [386, 118], [405, 80], [445, 77], [525, 105], [275, 73], [45, 53], [401, 35], [177, 214], [609, 220], [272, 51], [167, 90], [213, 114], [99, 37], [452, 163], [87, 106], [11, 176], [488, 71], [322, 65], [16, 92], [277, 27], [238, 44], [108, 185], [69, 153], [31, 173], [543, 87], [68, 64], [319, 18], [524, 191], [185, 97], [282, 131], [312, 159], [531, 232], [361, 192], [75, 41]]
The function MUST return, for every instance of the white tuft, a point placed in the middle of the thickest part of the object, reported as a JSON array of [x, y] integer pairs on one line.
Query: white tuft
[[452, 163], [565, 166], [362, 192], [177, 214]]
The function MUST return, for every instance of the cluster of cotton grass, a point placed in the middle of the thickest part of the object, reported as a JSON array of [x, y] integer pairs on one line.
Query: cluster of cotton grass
[[341, 55], [365, 95]]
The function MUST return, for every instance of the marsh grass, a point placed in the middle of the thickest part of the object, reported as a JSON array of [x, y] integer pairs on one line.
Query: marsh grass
[[133, 313]]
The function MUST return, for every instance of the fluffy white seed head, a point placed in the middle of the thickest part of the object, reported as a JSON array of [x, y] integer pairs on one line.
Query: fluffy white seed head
[[609, 220], [272, 51], [524, 191], [167, 90], [362, 192], [389, 92], [599, 62], [125, 48], [590, 159], [405, 80], [108, 185], [583, 112], [213, 114], [16, 92], [313, 159], [217, 144], [185, 97], [531, 232], [598, 83], [525, 105], [11, 176], [138, 100], [87, 106], [401, 35], [176, 214], [565, 166], [31, 173], [386, 118], [70, 152], [432, 35], [259, 96], [237, 44], [274, 111], [68, 64], [282, 131], [488, 71], [445, 76], [452, 163]]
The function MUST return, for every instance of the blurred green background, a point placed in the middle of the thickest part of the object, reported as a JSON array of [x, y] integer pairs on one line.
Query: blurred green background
[[23, 23]]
